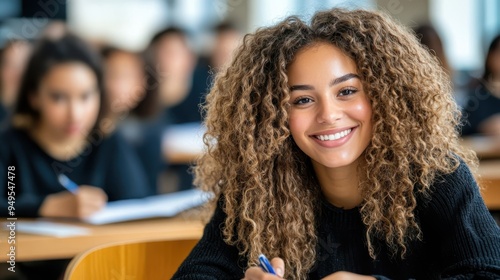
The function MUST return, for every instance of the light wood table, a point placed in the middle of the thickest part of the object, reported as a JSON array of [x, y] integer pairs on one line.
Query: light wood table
[[484, 146], [31, 247], [490, 180]]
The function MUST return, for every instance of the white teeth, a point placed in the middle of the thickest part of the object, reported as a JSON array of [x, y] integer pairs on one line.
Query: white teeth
[[335, 136]]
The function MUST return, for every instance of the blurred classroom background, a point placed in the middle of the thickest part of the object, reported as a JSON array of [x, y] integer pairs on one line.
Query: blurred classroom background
[[194, 39], [160, 58]]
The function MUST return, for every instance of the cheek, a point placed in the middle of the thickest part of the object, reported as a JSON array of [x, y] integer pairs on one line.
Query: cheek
[[362, 111], [93, 106], [53, 113], [296, 124]]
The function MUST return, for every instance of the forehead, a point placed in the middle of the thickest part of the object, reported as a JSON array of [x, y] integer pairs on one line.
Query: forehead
[[70, 75], [320, 58]]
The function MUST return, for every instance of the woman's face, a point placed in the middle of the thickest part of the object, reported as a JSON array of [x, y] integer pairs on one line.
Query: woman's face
[[68, 101], [494, 62], [11, 69], [330, 115], [124, 81]]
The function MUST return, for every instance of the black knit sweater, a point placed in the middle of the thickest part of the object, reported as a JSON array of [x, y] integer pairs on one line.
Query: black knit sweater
[[460, 241]]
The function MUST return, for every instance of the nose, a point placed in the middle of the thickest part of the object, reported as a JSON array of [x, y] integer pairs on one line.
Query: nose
[[76, 111], [329, 111]]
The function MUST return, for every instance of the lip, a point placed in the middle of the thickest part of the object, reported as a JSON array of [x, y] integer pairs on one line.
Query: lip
[[334, 143], [73, 129]]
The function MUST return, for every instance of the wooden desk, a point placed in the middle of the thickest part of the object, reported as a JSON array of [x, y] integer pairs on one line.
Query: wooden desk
[[174, 157], [485, 147], [490, 180], [38, 247]]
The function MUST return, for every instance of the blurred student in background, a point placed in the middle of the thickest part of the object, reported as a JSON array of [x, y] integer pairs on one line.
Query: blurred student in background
[[226, 38], [131, 107], [12, 62], [124, 85], [430, 38], [54, 132], [183, 83], [482, 110]]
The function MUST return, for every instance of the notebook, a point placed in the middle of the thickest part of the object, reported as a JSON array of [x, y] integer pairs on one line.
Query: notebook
[[164, 205]]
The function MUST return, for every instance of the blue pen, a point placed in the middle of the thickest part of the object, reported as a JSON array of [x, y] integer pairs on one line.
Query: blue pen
[[266, 265], [67, 183]]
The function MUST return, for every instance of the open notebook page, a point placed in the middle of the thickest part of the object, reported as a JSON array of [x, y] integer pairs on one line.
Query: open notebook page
[[164, 205]]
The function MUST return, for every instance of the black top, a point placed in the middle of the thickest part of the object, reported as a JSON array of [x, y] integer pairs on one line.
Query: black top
[[4, 115], [460, 241], [481, 105], [145, 137], [107, 163], [188, 110]]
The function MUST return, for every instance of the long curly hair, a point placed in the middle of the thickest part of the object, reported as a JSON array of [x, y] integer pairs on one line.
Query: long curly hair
[[268, 187]]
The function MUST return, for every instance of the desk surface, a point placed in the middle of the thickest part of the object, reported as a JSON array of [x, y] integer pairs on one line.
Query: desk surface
[[489, 172], [38, 247], [485, 147]]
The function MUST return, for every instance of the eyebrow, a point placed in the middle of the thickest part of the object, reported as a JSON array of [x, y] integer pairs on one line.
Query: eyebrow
[[332, 83]]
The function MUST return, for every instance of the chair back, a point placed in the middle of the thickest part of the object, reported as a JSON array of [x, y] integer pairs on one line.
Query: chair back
[[150, 259]]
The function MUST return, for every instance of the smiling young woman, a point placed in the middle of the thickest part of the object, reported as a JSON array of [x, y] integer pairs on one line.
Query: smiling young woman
[[332, 148], [330, 119]]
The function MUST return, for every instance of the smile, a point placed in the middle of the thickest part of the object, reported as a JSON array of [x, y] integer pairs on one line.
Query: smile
[[335, 136]]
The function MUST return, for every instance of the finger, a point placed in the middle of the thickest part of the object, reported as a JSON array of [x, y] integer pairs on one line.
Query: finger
[[255, 273], [279, 266]]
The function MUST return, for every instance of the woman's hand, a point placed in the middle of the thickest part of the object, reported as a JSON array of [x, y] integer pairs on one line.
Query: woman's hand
[[343, 275], [256, 273], [85, 202]]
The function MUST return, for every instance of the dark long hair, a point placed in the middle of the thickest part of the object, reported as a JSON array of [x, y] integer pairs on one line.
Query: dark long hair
[[494, 47], [47, 54]]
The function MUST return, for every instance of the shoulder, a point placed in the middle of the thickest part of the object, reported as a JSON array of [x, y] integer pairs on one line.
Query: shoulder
[[106, 142], [452, 193], [460, 180], [454, 186], [13, 140]]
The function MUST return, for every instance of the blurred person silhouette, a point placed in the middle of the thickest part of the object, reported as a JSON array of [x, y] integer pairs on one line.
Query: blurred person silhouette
[[53, 131], [124, 85], [55, 29], [226, 38], [482, 110], [132, 108], [430, 38], [13, 59], [183, 83]]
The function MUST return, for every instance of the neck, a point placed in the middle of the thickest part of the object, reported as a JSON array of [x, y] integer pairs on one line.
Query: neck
[[60, 148], [340, 185]]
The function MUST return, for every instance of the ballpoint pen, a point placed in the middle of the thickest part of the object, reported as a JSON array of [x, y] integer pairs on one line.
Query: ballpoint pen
[[67, 183], [266, 265]]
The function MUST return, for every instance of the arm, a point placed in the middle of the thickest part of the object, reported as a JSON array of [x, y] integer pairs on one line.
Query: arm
[[212, 258], [27, 200], [466, 237]]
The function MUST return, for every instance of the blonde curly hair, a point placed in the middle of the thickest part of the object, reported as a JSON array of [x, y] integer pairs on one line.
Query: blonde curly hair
[[269, 189]]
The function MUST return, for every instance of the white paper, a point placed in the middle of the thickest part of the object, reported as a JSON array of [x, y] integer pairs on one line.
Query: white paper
[[184, 138], [51, 229], [164, 205]]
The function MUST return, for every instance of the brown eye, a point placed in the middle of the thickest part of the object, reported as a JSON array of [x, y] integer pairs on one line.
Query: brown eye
[[347, 92], [302, 100], [57, 96]]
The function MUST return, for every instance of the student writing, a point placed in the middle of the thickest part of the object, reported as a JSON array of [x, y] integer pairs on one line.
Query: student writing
[[332, 148], [54, 132]]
